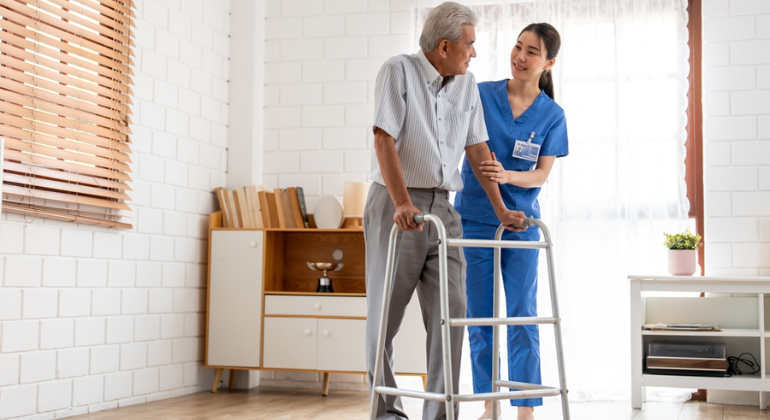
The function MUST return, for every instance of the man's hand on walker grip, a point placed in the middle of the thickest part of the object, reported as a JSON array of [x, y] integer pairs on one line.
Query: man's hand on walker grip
[[404, 217]]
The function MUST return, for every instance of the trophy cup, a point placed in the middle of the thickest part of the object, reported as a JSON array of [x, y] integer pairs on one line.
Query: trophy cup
[[325, 283]]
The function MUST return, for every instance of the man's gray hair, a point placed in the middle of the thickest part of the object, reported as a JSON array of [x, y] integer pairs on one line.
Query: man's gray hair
[[445, 21]]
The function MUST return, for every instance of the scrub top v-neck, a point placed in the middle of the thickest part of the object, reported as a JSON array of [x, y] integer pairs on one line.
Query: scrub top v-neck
[[544, 118]]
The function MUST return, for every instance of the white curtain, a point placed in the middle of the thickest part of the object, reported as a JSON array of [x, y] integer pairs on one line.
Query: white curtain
[[621, 77]]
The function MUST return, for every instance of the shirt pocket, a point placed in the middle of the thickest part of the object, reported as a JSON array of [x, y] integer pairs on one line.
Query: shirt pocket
[[462, 122]]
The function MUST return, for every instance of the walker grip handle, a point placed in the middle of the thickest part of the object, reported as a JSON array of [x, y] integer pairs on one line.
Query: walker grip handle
[[419, 218]]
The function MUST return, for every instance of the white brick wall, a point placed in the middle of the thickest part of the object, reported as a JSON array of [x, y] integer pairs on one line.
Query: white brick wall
[[736, 90], [321, 61], [90, 317]]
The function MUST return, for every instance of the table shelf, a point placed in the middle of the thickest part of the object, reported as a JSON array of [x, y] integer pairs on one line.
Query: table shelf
[[726, 332]]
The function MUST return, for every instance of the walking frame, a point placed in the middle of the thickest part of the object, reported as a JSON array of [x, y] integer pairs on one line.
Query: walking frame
[[525, 390]]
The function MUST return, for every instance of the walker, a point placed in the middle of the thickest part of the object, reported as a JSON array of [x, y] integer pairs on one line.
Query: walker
[[526, 390]]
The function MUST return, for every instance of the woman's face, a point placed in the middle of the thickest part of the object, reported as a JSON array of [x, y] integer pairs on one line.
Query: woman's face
[[528, 57]]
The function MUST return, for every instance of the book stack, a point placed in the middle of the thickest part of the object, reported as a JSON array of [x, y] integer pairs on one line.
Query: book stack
[[255, 207]]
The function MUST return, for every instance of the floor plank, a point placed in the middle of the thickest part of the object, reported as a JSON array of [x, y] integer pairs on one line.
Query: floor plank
[[296, 404]]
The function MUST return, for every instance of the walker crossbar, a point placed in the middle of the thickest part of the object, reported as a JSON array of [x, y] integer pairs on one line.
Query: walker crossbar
[[481, 322], [483, 243], [525, 390]]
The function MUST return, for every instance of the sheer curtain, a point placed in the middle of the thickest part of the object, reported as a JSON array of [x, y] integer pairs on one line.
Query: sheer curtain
[[621, 77]]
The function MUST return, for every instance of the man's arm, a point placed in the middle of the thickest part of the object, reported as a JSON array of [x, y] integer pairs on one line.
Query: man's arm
[[390, 168], [476, 154]]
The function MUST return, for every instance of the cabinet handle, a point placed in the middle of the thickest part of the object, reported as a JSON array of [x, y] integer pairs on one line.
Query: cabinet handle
[[326, 333], [307, 332], [317, 306], [253, 244]]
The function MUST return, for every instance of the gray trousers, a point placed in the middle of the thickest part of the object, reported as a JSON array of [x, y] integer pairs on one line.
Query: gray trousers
[[417, 266]]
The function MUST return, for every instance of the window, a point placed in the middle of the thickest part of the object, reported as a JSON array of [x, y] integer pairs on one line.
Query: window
[[64, 109]]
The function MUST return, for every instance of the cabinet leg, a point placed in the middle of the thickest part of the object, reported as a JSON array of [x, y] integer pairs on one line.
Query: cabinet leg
[[231, 386], [424, 382], [325, 390], [217, 377]]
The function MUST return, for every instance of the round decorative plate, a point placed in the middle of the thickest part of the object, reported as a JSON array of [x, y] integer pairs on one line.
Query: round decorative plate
[[328, 213]]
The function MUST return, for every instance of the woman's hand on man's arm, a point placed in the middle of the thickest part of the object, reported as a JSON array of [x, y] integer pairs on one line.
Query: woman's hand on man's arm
[[495, 171]]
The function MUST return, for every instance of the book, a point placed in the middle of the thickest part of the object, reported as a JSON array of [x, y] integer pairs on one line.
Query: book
[[296, 211], [243, 205], [279, 208], [222, 205], [302, 207], [273, 209], [265, 207], [287, 212], [234, 219], [256, 212], [237, 212]]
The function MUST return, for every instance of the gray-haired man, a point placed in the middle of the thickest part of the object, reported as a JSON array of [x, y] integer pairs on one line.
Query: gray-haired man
[[427, 113]]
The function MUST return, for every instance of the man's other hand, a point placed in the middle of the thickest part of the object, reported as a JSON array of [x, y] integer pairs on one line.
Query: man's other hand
[[404, 217]]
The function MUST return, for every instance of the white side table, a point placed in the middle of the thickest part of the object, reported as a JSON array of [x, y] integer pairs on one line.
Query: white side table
[[739, 310]]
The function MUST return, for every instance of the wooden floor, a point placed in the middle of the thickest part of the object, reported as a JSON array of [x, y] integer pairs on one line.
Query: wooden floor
[[295, 404]]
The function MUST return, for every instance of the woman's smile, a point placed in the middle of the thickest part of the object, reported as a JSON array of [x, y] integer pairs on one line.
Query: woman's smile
[[517, 67]]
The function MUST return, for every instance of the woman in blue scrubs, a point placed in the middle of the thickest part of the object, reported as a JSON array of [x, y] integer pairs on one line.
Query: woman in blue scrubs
[[527, 132]]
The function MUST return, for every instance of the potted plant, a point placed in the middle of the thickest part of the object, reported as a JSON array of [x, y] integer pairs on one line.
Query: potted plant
[[682, 258]]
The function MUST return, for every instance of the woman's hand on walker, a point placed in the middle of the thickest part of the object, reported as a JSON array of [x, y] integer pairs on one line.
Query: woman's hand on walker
[[404, 217], [495, 171], [512, 217]]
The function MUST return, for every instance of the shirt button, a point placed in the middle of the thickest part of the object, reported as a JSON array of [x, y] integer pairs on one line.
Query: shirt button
[[439, 119], [445, 165]]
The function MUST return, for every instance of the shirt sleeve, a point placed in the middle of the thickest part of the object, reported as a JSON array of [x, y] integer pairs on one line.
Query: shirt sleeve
[[389, 99], [555, 142], [477, 128]]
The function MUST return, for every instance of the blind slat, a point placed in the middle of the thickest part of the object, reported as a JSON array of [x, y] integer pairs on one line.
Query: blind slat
[[39, 82], [63, 186], [35, 95], [64, 165], [20, 111], [22, 201], [63, 35], [15, 123], [19, 64], [68, 48], [66, 198], [67, 176], [65, 217], [71, 32], [39, 149], [65, 143], [47, 57], [107, 11], [70, 17]]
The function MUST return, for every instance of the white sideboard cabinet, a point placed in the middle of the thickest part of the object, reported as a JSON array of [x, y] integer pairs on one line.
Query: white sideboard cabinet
[[739, 305], [263, 311]]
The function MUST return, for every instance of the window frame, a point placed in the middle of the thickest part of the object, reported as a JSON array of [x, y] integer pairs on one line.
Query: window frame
[[694, 144]]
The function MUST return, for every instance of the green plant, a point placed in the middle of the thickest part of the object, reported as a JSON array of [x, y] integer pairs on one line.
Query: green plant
[[684, 240]]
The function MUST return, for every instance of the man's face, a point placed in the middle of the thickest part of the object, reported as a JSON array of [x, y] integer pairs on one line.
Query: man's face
[[459, 54]]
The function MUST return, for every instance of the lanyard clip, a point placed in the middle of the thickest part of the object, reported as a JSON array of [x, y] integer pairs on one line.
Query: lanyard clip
[[530, 137]]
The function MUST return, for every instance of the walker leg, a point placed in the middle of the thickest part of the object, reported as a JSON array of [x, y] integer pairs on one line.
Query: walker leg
[[446, 345], [497, 279], [386, 294]]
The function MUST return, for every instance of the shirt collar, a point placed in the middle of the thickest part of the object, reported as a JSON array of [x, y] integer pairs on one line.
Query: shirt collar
[[430, 72]]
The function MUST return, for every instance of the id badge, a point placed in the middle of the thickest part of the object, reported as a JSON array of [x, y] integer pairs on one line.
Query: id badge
[[526, 149]]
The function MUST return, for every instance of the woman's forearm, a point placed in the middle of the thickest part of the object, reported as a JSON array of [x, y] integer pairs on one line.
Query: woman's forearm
[[530, 179]]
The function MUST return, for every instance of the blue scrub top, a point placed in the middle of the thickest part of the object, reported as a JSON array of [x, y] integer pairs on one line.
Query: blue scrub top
[[545, 118]]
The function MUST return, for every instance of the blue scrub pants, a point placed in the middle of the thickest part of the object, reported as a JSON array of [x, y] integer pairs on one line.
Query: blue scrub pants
[[519, 268]]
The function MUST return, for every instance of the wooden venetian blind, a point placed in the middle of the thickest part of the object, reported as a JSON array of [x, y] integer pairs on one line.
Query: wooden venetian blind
[[65, 71]]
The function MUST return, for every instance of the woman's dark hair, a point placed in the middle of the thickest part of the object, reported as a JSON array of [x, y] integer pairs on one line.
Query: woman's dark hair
[[552, 41]]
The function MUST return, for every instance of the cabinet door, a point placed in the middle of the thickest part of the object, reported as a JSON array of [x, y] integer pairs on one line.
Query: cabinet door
[[235, 298], [341, 344], [409, 344], [291, 343]]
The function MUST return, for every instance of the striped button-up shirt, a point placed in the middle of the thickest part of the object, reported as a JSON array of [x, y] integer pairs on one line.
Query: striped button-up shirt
[[432, 124]]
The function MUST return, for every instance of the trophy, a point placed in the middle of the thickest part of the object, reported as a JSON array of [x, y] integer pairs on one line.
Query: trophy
[[325, 283]]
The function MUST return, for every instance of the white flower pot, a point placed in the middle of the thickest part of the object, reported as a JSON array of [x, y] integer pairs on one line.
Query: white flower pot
[[682, 262]]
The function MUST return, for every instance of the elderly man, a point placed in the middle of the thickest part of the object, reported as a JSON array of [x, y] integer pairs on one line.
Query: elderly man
[[427, 112]]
